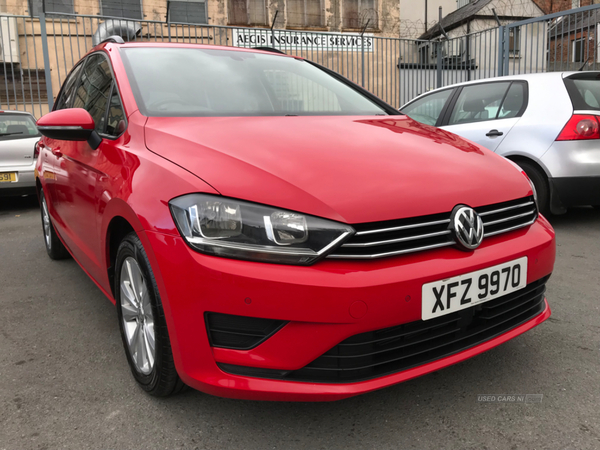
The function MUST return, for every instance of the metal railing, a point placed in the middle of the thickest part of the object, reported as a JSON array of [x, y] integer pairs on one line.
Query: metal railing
[[23, 85], [38, 53], [563, 41]]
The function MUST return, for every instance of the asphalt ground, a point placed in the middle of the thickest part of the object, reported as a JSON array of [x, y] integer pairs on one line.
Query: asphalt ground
[[65, 383]]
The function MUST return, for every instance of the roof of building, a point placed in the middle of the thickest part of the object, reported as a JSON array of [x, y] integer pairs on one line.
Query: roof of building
[[466, 14], [456, 18]]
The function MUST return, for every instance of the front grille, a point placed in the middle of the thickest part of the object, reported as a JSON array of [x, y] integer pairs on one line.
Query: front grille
[[239, 332], [390, 350], [397, 237], [508, 216]]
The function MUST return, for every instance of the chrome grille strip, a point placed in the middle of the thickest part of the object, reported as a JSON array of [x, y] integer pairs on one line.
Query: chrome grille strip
[[404, 227], [399, 252], [494, 222], [516, 227], [508, 208], [395, 241]]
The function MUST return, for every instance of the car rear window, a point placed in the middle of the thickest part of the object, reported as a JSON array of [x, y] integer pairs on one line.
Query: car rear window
[[584, 90], [205, 82], [17, 126]]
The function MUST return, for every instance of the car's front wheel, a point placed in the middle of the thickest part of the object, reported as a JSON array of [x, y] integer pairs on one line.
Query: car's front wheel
[[54, 247], [142, 322]]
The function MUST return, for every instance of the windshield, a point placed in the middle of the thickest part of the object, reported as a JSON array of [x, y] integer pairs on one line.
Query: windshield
[[17, 126], [206, 82]]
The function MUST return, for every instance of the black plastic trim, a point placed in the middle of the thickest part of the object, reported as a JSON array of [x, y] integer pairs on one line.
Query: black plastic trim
[[576, 191], [262, 337], [269, 49]]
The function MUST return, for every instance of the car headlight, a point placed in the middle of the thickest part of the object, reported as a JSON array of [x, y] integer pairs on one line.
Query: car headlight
[[236, 229]]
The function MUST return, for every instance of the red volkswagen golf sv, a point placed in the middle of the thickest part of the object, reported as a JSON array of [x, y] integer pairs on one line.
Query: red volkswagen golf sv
[[269, 230]]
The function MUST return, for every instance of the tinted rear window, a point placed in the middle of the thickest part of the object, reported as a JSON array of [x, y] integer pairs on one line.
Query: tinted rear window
[[584, 90], [17, 126]]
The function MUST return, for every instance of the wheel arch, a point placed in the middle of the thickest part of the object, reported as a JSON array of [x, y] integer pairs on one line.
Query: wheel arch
[[516, 157], [118, 220], [116, 231], [555, 205]]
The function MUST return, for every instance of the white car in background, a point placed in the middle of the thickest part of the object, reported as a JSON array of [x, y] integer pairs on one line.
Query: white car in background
[[547, 123], [18, 136]]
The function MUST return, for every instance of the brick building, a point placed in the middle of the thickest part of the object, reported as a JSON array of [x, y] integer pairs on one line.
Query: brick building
[[378, 16], [552, 6]]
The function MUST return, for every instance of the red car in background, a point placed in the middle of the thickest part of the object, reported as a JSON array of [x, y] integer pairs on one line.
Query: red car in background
[[269, 230]]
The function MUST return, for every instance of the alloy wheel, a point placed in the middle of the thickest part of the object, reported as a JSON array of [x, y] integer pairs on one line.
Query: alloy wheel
[[137, 316], [46, 223]]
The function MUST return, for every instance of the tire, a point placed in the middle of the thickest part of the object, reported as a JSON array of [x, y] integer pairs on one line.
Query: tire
[[54, 247], [540, 182], [142, 321]]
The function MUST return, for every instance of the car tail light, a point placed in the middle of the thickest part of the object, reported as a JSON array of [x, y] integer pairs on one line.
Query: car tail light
[[36, 150], [580, 127]]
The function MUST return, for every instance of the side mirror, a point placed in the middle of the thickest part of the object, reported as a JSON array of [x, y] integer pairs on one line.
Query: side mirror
[[75, 124]]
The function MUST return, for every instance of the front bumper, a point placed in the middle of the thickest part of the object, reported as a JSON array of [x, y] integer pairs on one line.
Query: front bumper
[[25, 183], [324, 304]]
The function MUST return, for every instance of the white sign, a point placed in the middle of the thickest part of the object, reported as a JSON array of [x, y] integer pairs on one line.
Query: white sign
[[297, 40]]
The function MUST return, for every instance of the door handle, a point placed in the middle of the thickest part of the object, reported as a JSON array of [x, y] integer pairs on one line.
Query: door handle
[[494, 133]]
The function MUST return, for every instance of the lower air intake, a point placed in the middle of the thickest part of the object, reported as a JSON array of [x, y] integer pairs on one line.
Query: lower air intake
[[239, 332]]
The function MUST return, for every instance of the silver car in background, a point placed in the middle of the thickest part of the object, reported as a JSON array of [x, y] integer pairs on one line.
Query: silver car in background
[[548, 123], [18, 136]]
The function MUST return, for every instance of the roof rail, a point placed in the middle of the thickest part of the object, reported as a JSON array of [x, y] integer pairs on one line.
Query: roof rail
[[269, 49], [114, 39]]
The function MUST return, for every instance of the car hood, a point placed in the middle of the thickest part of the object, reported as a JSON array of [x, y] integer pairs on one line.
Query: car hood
[[350, 169]]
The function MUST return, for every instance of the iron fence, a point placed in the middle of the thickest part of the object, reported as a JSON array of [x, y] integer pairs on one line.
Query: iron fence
[[37, 53], [563, 41]]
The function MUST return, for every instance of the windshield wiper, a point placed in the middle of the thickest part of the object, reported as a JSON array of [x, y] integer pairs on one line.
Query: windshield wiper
[[10, 134]]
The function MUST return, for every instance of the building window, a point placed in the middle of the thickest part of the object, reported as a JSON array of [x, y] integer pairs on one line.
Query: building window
[[575, 4], [127, 9], [360, 13], [514, 42], [579, 50], [188, 11], [461, 3], [305, 13], [52, 6], [247, 12]]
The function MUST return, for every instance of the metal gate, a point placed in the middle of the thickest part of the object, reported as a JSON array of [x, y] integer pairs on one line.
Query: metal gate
[[37, 53], [563, 41]]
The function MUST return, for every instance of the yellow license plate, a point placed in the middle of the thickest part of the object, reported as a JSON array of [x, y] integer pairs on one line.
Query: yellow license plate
[[8, 177]]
